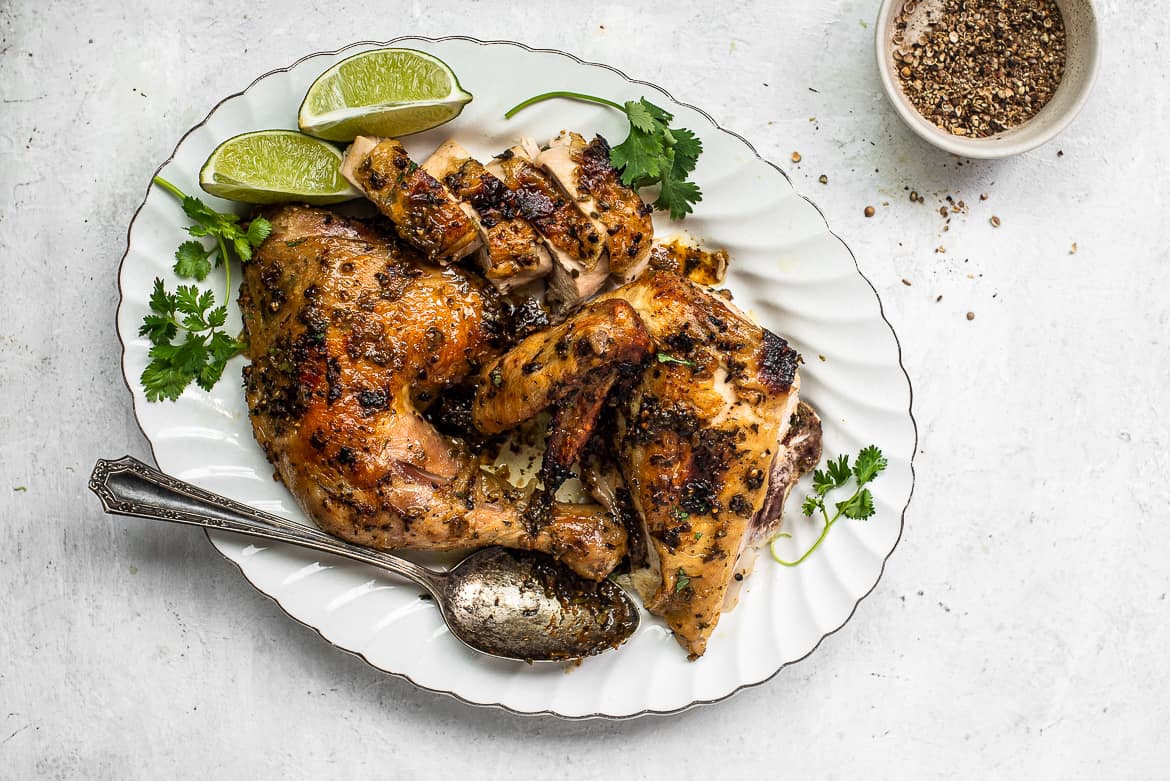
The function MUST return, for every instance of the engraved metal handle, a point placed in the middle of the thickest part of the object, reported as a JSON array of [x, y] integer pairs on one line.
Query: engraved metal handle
[[127, 486]]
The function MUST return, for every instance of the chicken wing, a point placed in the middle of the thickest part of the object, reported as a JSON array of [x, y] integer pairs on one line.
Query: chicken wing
[[570, 367]]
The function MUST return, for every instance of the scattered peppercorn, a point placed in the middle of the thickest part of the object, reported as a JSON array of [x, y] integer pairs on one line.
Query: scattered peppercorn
[[994, 221], [869, 211], [796, 157], [823, 179], [978, 67], [970, 315], [1073, 249], [906, 282]]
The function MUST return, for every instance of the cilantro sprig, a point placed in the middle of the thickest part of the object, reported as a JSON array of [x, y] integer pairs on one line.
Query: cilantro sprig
[[653, 152], [837, 473], [185, 327], [187, 343]]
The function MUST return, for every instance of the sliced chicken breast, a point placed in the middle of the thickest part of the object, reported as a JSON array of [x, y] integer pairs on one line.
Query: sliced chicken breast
[[513, 253], [580, 264], [423, 212], [583, 170]]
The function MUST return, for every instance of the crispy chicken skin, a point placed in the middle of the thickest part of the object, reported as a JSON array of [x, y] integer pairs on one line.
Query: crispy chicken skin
[[584, 171], [571, 367], [697, 442], [513, 252], [423, 212], [351, 335]]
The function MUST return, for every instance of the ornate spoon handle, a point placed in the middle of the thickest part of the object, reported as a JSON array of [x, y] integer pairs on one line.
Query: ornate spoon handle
[[127, 486]]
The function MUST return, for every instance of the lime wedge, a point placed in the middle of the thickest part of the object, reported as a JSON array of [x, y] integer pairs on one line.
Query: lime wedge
[[382, 92], [269, 166]]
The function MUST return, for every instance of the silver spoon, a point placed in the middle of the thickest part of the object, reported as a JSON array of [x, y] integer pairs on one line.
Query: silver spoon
[[506, 603]]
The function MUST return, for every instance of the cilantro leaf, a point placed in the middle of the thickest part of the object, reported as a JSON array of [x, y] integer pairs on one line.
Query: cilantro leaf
[[639, 158], [640, 116], [158, 328], [811, 505], [192, 261], [676, 197], [859, 506], [258, 231], [839, 471], [870, 462], [660, 114], [160, 301], [687, 148]]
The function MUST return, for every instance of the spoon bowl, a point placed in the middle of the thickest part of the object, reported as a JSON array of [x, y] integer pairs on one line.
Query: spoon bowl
[[510, 604]]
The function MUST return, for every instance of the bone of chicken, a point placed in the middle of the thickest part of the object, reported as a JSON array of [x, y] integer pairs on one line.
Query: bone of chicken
[[513, 253], [583, 170], [423, 212], [352, 335]]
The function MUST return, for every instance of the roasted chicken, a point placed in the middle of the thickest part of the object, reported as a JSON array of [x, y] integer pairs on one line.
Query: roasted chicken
[[352, 335], [423, 211], [584, 172], [513, 253], [576, 240], [677, 412]]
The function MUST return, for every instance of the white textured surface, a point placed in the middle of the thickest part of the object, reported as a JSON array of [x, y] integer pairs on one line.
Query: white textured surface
[[1020, 628]]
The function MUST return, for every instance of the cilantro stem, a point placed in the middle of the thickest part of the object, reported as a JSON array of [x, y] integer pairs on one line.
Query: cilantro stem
[[227, 270], [170, 188], [223, 253], [561, 94], [824, 533]]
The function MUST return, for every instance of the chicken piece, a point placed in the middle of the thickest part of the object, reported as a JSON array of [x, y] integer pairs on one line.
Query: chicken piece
[[570, 367], [798, 453], [423, 212], [698, 442], [584, 172], [352, 335], [706, 267], [580, 264], [513, 253]]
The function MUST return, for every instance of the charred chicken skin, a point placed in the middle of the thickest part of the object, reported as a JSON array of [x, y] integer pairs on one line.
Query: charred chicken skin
[[352, 335], [697, 442], [513, 252]]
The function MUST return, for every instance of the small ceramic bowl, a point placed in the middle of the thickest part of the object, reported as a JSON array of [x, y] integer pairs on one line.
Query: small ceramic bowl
[[1081, 45]]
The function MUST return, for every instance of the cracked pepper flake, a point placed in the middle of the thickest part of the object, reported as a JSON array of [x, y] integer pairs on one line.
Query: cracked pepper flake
[[978, 67]]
